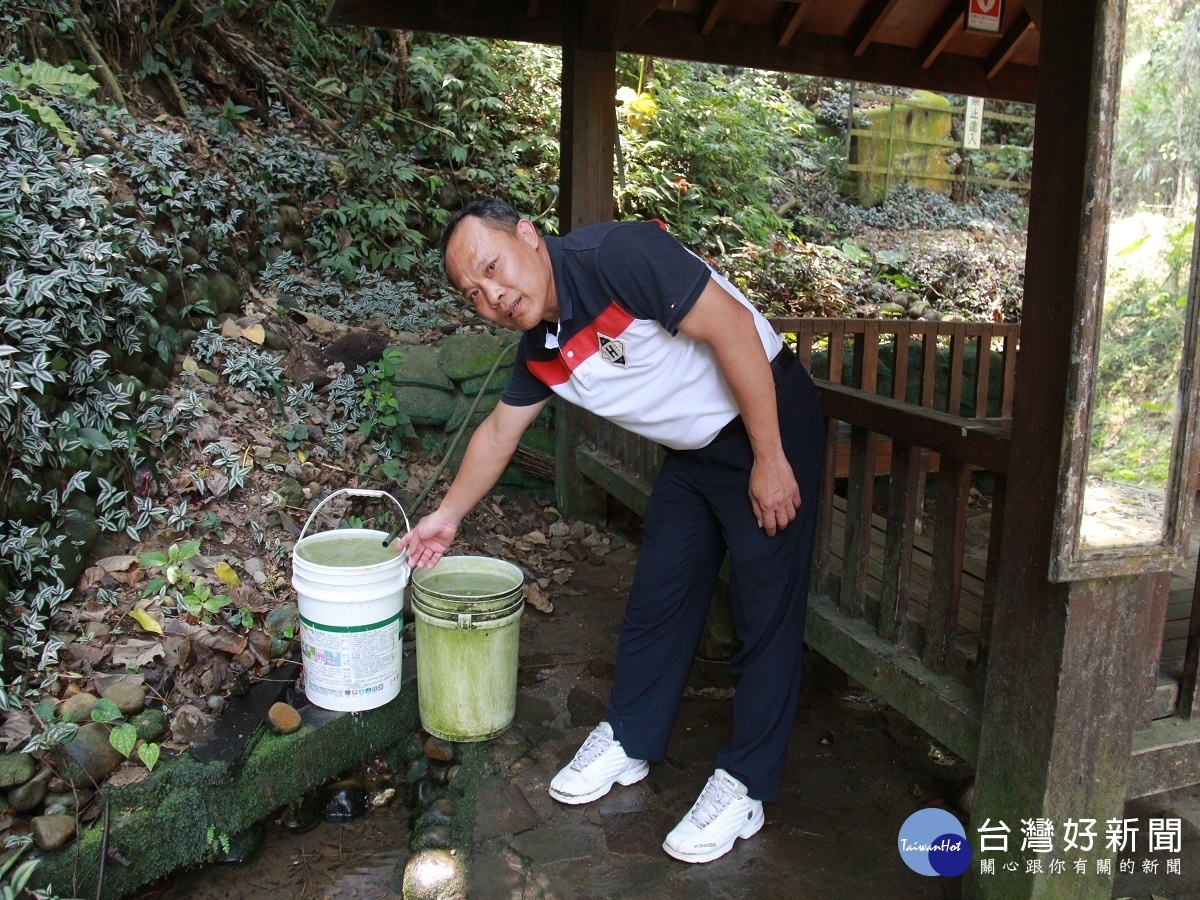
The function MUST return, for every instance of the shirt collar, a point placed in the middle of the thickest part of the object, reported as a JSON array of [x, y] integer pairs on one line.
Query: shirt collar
[[557, 269]]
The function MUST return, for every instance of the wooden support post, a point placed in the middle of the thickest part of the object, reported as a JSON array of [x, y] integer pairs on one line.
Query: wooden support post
[[574, 495], [588, 137], [1060, 706], [589, 129]]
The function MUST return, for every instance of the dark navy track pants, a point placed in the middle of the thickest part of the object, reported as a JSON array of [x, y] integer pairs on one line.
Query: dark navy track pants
[[699, 509]]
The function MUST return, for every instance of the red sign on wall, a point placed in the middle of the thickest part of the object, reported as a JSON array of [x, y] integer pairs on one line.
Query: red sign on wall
[[985, 15]]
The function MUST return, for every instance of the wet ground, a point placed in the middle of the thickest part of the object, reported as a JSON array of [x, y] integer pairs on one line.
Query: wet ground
[[856, 770]]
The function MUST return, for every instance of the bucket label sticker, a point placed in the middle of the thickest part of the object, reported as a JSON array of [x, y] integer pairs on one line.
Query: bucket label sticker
[[351, 661]]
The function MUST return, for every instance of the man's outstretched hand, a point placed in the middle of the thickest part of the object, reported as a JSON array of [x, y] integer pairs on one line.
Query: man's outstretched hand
[[428, 541]]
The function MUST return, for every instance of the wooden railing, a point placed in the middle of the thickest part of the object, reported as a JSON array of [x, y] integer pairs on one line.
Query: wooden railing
[[905, 398], [933, 365], [883, 592]]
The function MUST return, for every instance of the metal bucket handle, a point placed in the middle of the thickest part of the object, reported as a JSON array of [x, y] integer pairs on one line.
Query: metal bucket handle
[[356, 492]]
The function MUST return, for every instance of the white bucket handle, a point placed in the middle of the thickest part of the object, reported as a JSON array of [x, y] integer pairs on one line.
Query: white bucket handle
[[367, 493]]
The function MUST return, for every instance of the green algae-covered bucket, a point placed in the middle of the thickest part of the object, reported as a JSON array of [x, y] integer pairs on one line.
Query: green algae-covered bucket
[[468, 611], [350, 590]]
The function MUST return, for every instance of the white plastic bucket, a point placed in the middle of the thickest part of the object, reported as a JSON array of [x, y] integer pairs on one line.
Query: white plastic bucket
[[350, 614], [467, 611]]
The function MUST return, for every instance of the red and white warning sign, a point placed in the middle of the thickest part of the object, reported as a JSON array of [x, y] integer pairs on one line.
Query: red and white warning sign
[[985, 15]]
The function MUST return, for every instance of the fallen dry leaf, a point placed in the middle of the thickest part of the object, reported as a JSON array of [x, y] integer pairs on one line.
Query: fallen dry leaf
[[18, 728], [134, 653], [88, 654], [146, 620], [90, 578], [186, 723], [537, 598], [213, 636], [225, 572], [122, 569], [102, 681], [116, 563]]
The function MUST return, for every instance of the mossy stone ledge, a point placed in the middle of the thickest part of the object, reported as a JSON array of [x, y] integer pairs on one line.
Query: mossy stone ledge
[[161, 823]]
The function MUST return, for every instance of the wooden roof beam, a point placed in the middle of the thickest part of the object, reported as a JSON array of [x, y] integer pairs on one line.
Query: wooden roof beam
[[1034, 8], [711, 15], [1008, 44], [950, 24], [607, 26], [872, 18], [793, 22], [677, 36]]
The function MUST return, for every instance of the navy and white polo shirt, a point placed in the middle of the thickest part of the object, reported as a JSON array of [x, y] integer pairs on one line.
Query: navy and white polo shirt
[[623, 288]]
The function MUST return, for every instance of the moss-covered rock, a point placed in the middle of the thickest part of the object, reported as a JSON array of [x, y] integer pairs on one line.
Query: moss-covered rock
[[495, 385], [908, 137], [291, 492], [167, 816], [425, 405], [157, 283], [16, 768], [288, 218], [224, 293], [417, 365], [81, 528], [463, 405], [465, 356], [151, 724]]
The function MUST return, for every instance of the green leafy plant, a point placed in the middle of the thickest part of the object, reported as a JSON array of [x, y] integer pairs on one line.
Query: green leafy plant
[[216, 844], [177, 585], [19, 80], [230, 115], [13, 877], [54, 732], [123, 735], [383, 417], [1141, 331], [687, 131]]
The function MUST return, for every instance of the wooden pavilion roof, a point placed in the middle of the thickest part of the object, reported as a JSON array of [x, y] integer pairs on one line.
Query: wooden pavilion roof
[[909, 43]]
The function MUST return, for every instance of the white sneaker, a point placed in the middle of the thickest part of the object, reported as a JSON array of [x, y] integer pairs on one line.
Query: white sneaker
[[721, 815], [599, 764]]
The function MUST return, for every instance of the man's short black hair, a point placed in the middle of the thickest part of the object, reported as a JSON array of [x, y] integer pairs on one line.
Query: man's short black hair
[[495, 214]]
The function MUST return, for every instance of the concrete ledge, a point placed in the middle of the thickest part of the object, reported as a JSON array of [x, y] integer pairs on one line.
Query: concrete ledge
[[161, 823]]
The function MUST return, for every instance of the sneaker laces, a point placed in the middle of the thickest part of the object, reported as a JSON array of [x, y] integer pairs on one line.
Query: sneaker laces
[[593, 747], [712, 802]]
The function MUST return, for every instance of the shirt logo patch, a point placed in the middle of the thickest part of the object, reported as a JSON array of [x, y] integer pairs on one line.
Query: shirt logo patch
[[612, 350]]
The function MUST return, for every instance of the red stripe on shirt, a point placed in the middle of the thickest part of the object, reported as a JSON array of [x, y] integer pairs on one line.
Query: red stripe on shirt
[[550, 372], [611, 323]]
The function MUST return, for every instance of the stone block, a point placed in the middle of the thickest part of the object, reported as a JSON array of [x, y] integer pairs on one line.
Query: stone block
[[425, 405], [465, 356], [417, 365], [486, 404]]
